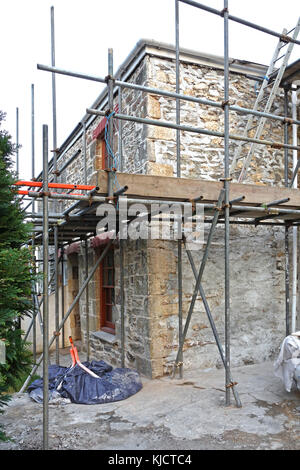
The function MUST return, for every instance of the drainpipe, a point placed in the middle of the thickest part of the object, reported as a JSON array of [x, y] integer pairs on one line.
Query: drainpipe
[[294, 249]]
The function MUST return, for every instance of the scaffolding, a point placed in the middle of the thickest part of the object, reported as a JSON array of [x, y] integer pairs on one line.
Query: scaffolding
[[78, 221]]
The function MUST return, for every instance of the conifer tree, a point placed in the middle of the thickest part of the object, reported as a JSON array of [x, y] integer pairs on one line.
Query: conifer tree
[[15, 274]]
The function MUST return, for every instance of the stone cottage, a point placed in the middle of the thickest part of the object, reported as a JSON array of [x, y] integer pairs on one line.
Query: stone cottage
[[150, 266]]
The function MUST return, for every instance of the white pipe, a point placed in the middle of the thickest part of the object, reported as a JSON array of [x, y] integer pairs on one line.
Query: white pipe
[[295, 230]]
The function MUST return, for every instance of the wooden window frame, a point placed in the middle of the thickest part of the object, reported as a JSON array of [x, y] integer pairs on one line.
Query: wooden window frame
[[105, 324]]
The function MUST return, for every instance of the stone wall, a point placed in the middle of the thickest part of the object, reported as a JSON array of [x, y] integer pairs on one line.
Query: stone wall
[[257, 290], [150, 277], [257, 299], [202, 155], [106, 346]]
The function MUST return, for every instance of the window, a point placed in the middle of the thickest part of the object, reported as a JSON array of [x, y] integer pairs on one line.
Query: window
[[107, 293], [107, 268]]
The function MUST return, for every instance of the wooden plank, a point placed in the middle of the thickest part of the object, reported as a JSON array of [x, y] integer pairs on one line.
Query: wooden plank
[[171, 188]]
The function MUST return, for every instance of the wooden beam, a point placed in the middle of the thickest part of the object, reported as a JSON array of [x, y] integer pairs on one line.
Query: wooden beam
[[171, 188]]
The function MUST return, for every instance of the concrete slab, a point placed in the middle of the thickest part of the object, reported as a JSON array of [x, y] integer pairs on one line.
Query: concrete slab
[[169, 414]]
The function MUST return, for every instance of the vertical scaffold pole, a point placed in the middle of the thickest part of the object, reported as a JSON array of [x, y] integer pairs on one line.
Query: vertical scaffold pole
[[55, 181], [17, 142], [32, 138], [62, 293], [84, 150], [295, 228], [122, 300], [87, 301], [33, 211], [120, 142], [226, 187], [45, 290], [110, 92], [122, 293], [286, 234], [178, 173]]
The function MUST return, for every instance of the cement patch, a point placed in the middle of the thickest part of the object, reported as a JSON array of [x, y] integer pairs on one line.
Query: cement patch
[[169, 414]]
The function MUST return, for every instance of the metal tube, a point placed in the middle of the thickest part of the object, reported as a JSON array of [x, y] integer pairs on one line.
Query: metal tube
[[68, 162], [77, 197], [33, 210], [177, 70], [84, 151], [17, 142], [120, 191], [208, 206], [295, 172], [55, 181], [40, 215], [295, 229], [70, 309], [178, 174], [35, 313], [198, 281], [110, 92], [169, 94], [56, 295], [286, 155], [45, 291], [170, 125], [227, 207], [238, 20], [120, 141], [53, 90], [287, 280], [180, 326], [122, 301], [62, 293], [286, 228], [87, 302], [32, 135], [213, 326]]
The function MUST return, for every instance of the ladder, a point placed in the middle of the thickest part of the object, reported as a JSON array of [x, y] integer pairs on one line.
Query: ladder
[[264, 100]]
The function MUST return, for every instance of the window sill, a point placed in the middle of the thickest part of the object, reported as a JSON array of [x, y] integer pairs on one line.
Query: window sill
[[104, 337]]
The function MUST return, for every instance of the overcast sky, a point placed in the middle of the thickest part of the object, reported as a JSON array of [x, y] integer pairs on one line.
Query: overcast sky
[[84, 30]]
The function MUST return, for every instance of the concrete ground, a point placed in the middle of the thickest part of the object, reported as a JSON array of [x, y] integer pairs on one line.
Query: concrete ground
[[168, 414]]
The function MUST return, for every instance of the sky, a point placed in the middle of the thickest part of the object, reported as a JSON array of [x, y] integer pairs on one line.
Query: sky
[[84, 30]]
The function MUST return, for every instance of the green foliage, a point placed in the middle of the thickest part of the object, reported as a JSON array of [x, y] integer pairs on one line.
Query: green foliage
[[15, 276], [4, 399], [13, 231]]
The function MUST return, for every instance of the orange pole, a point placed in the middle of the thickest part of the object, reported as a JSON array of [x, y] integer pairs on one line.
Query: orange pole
[[39, 184], [26, 193]]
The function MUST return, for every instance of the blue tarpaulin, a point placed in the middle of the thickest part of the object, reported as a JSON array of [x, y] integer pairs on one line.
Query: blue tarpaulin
[[80, 387]]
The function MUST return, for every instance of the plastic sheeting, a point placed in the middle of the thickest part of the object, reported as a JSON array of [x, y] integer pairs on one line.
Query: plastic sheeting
[[287, 365], [78, 386]]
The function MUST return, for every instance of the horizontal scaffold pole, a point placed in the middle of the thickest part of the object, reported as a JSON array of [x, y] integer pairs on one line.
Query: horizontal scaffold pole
[[207, 206], [170, 125], [169, 94], [241, 21]]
